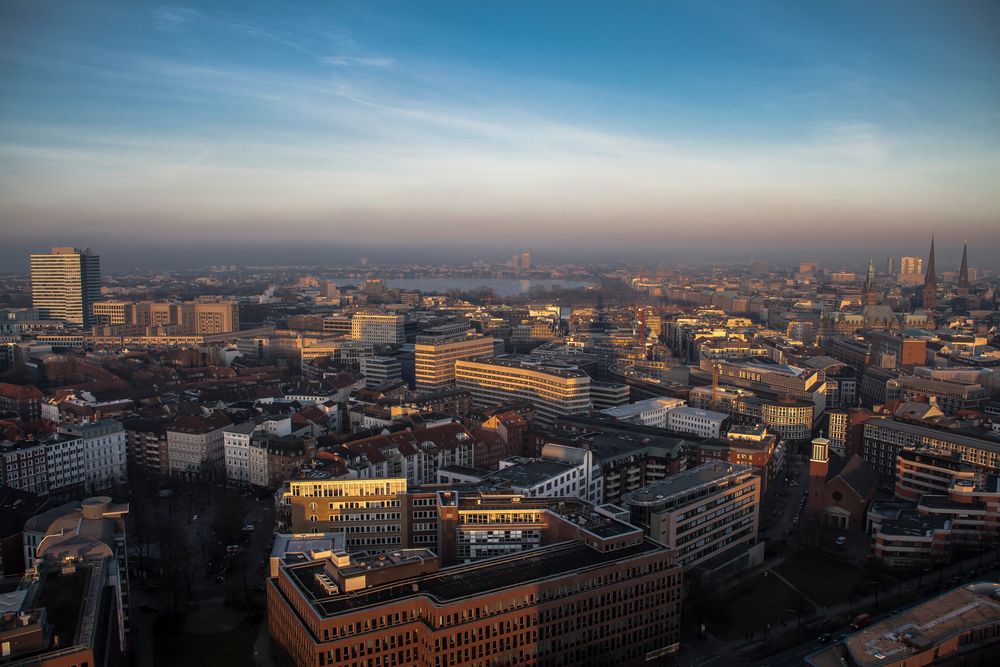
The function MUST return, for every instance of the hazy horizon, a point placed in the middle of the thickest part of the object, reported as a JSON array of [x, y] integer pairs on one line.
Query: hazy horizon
[[159, 134]]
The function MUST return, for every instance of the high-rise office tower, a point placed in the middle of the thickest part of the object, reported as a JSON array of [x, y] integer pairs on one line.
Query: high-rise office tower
[[890, 265], [910, 265], [911, 270], [65, 283], [525, 260], [930, 280]]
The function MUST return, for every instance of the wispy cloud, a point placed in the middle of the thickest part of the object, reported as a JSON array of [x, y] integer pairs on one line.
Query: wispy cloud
[[173, 18], [358, 61]]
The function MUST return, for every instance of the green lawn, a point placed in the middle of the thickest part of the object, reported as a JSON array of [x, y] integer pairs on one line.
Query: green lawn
[[227, 649], [824, 580], [761, 601]]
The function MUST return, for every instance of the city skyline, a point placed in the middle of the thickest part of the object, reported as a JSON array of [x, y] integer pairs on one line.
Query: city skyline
[[655, 131]]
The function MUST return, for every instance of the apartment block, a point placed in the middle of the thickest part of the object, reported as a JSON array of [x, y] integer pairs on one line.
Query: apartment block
[[105, 453], [23, 466], [196, 446], [147, 445]]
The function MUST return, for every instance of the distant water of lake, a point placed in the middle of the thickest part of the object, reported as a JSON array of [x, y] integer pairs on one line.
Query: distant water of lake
[[501, 286]]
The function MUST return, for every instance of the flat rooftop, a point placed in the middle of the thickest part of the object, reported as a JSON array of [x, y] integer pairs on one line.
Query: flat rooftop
[[534, 363], [364, 561], [679, 484], [911, 524], [697, 412], [531, 473], [288, 544], [926, 624], [951, 436], [461, 581]]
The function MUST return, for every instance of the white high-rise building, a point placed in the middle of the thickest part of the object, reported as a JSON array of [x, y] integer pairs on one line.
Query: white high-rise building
[[378, 328], [65, 284]]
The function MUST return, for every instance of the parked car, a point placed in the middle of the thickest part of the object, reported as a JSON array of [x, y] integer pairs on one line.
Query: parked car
[[861, 621], [841, 541], [825, 638], [248, 528]]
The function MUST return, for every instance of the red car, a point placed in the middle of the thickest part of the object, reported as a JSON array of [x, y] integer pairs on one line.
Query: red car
[[861, 621]]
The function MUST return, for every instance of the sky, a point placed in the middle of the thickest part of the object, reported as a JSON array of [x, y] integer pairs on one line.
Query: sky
[[232, 131]]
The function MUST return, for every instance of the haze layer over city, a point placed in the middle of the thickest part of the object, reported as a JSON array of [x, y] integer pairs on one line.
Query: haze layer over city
[[388, 334]]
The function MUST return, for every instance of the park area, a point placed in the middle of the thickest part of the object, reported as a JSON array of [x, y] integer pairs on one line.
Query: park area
[[825, 581], [762, 601]]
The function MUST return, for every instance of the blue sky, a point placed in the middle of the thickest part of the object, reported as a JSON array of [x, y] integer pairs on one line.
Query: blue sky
[[426, 122]]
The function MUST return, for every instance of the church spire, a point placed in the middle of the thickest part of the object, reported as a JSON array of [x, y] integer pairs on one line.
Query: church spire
[[963, 273], [930, 280], [870, 288]]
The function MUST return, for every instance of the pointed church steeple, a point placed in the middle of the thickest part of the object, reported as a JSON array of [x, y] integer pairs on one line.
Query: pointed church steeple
[[963, 273], [930, 280], [870, 288]]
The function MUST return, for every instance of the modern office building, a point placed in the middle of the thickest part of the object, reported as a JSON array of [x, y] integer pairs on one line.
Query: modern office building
[[209, 315], [650, 412], [950, 396], [911, 270], [380, 371], [561, 470], [554, 389], [942, 506], [201, 317], [378, 329], [885, 438], [700, 512], [111, 313], [435, 362], [72, 607], [369, 512], [781, 380], [602, 594], [791, 418], [700, 423], [65, 284]]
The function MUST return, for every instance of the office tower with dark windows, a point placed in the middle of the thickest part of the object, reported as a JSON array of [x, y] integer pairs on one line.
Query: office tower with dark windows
[[65, 283]]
